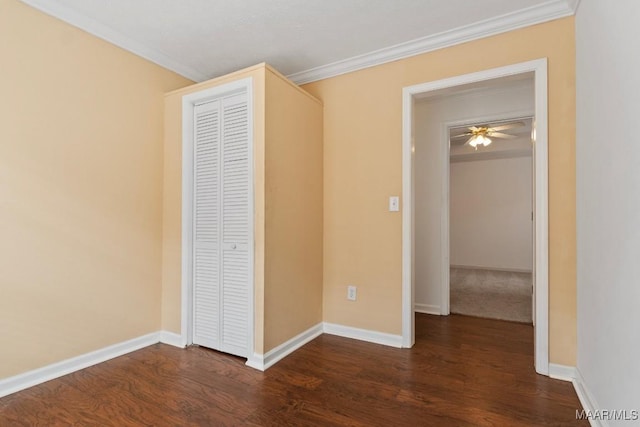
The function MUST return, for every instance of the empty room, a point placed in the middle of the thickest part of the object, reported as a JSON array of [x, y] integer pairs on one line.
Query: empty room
[[319, 213]]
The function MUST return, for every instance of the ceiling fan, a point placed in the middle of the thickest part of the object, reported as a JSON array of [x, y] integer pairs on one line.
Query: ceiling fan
[[482, 134]]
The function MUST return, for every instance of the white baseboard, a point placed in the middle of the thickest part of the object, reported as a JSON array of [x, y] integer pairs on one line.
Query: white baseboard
[[586, 399], [571, 373], [261, 362], [256, 361], [171, 338], [264, 362], [363, 335], [562, 372], [427, 308], [38, 376]]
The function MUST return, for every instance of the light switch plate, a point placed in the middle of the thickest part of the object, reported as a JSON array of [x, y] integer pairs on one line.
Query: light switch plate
[[352, 293], [394, 204]]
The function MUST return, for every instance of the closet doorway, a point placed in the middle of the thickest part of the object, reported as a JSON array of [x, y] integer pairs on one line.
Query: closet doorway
[[218, 217]]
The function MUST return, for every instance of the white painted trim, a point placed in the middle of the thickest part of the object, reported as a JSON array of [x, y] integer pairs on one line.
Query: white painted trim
[[586, 399], [408, 286], [188, 103], [536, 14], [256, 361], [171, 338], [186, 291], [562, 372], [38, 376], [541, 267], [541, 217], [252, 215], [114, 37], [264, 362], [445, 242], [427, 309], [363, 335], [572, 374]]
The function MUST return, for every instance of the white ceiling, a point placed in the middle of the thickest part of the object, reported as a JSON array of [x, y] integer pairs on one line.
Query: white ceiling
[[201, 39]]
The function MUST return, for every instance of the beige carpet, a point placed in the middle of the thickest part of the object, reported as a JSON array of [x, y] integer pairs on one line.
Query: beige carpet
[[493, 294]]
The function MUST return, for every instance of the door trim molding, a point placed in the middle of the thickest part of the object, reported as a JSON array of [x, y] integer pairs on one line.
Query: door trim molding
[[541, 223], [189, 102]]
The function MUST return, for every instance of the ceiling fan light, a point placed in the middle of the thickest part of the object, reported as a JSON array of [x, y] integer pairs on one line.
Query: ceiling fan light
[[479, 140]]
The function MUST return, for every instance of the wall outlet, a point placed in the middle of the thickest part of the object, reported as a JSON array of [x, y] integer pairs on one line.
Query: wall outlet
[[352, 293]]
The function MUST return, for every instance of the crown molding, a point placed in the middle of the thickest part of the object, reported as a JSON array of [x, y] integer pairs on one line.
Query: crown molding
[[548, 11], [574, 4], [112, 36], [544, 12]]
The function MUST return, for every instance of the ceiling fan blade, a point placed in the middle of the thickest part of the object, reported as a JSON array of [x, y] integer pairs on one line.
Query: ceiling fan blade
[[461, 135], [507, 126], [501, 135]]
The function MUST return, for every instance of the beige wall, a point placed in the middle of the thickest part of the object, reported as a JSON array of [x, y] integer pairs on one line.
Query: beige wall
[[80, 191], [90, 220], [363, 167], [490, 213], [288, 206], [293, 197]]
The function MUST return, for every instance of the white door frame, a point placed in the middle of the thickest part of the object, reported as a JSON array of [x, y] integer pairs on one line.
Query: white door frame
[[541, 216], [188, 104], [444, 211]]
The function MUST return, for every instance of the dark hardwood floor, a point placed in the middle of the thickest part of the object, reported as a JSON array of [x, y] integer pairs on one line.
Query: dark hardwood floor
[[463, 371]]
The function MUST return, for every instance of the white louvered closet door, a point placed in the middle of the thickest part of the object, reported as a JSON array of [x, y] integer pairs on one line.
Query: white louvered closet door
[[221, 225]]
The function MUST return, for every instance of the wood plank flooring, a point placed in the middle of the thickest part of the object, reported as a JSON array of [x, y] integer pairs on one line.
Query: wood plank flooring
[[463, 371]]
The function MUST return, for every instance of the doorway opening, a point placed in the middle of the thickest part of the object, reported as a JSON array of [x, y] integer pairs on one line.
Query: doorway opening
[[218, 287], [490, 210], [439, 232]]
